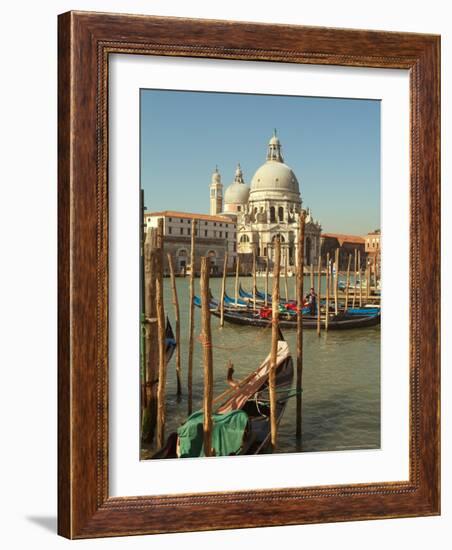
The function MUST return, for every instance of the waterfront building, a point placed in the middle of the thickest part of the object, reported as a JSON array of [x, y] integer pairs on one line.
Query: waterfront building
[[347, 245], [214, 236], [265, 209], [373, 248]]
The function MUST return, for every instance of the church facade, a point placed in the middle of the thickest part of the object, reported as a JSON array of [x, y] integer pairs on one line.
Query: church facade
[[268, 207]]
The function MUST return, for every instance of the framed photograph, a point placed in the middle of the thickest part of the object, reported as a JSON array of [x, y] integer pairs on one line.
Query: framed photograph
[[249, 294]]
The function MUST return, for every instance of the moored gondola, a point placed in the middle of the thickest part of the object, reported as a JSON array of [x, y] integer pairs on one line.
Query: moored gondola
[[241, 419], [342, 321], [261, 317]]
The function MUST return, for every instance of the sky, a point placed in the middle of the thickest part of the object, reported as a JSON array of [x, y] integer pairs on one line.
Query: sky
[[332, 145]]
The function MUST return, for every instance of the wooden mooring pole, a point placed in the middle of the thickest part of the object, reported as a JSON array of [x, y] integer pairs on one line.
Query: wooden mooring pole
[[266, 279], [206, 339], [161, 397], [300, 292], [355, 277], [237, 272], [223, 289], [191, 320], [347, 282], [274, 344], [150, 414], [336, 281], [311, 276], [327, 295], [286, 284], [319, 292], [367, 279], [360, 280], [254, 276], [177, 317]]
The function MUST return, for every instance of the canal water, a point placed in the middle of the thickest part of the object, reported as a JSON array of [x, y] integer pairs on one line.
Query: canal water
[[341, 374]]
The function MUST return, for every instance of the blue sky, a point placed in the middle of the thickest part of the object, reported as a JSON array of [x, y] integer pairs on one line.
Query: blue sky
[[332, 145]]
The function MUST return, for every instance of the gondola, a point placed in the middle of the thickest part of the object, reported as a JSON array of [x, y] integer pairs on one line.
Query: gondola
[[229, 301], [170, 341], [342, 321], [260, 297], [247, 400]]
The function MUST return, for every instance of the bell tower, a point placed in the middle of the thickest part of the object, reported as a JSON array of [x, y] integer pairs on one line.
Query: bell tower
[[216, 193]]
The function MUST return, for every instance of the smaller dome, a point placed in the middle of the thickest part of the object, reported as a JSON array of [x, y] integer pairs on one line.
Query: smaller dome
[[237, 192], [274, 141]]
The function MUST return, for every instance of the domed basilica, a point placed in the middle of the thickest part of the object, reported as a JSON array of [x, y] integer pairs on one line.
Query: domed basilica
[[265, 209]]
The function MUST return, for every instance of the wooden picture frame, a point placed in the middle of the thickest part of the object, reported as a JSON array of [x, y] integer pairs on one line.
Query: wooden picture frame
[[86, 40]]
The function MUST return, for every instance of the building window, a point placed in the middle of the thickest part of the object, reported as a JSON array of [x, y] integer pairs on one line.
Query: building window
[[181, 230], [244, 239], [215, 224], [214, 234], [188, 231], [181, 221], [221, 225], [221, 234], [226, 225], [205, 233], [239, 208], [272, 214], [205, 223], [226, 234], [170, 230], [170, 219], [281, 213]]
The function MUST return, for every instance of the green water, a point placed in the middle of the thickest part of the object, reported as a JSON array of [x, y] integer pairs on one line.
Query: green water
[[341, 375]]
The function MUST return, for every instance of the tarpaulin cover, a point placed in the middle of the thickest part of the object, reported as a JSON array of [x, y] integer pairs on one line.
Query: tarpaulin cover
[[227, 434]]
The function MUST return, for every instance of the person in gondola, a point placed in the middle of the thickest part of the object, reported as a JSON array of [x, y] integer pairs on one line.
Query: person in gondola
[[312, 302]]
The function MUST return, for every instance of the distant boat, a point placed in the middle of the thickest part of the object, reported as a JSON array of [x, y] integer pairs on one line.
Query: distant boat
[[241, 420]]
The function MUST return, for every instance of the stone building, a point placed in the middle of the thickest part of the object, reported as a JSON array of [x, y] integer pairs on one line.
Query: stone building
[[347, 245], [265, 209], [373, 248], [214, 236]]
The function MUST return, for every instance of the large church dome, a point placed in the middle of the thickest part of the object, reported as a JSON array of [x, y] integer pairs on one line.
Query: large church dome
[[274, 179], [237, 192]]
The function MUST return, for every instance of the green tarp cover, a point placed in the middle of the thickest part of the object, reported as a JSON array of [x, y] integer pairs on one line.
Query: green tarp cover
[[227, 434]]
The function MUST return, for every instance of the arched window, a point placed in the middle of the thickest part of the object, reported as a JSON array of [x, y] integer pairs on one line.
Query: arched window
[[272, 214], [281, 214], [182, 253], [281, 238], [212, 254], [244, 239]]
